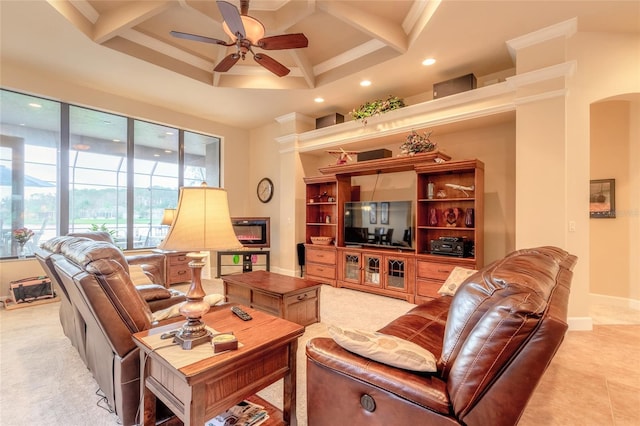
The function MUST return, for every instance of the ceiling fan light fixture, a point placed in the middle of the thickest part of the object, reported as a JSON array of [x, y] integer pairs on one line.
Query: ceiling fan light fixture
[[254, 30]]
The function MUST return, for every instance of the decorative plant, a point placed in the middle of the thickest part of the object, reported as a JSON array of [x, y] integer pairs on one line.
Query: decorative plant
[[376, 107], [103, 228], [417, 143], [22, 235]]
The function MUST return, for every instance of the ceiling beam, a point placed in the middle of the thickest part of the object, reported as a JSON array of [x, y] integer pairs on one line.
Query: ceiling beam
[[305, 66], [126, 17], [376, 27]]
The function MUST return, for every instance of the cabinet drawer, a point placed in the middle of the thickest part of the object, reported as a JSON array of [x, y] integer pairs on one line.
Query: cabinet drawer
[[322, 270], [321, 256], [301, 297], [266, 301], [178, 260], [178, 274], [433, 270], [428, 288]]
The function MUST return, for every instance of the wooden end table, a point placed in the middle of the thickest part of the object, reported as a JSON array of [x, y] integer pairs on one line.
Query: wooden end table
[[196, 390], [291, 298]]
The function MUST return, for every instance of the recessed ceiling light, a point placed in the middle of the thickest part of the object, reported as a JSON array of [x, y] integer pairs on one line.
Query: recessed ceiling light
[[156, 155], [169, 133], [116, 140], [318, 100], [365, 83], [81, 147], [35, 105], [428, 61], [168, 151]]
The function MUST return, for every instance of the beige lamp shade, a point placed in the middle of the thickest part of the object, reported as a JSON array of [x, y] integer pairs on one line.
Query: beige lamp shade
[[202, 221], [168, 216]]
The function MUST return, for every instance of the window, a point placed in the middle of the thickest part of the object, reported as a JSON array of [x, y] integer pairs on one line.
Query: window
[[121, 173], [155, 180], [29, 145], [98, 173]]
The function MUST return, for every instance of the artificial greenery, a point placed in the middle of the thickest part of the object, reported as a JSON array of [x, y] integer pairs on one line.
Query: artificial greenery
[[369, 109], [417, 143]]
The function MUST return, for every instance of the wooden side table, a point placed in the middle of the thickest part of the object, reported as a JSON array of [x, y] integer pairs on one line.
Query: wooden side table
[[291, 298], [198, 385], [176, 267]]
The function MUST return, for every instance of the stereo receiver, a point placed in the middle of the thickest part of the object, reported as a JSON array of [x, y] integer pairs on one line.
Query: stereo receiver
[[452, 246]]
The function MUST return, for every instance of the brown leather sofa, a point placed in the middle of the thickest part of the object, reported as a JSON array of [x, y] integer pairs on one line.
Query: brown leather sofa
[[100, 309], [493, 340]]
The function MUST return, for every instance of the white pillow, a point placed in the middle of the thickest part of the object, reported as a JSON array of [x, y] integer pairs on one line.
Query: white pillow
[[174, 310], [138, 276], [455, 278], [386, 349]]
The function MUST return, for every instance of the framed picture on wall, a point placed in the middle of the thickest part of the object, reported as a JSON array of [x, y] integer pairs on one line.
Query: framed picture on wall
[[373, 213], [602, 198], [384, 213]]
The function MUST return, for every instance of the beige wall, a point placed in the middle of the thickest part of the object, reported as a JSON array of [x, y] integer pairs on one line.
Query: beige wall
[[608, 65], [611, 240]]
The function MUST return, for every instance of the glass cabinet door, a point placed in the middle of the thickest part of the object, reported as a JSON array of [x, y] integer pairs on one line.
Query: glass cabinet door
[[372, 270], [352, 267], [395, 273]]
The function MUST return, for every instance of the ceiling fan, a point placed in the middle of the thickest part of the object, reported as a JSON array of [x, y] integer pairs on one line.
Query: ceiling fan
[[246, 33]]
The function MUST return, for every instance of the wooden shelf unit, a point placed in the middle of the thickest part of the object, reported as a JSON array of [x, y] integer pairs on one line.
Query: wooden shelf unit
[[432, 269], [422, 272]]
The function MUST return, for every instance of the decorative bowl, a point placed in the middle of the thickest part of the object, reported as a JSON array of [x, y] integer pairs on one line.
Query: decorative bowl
[[323, 241]]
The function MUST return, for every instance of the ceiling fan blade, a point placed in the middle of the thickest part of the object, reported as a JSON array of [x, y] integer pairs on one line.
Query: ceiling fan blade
[[285, 41], [195, 37], [227, 63], [271, 64], [232, 18]]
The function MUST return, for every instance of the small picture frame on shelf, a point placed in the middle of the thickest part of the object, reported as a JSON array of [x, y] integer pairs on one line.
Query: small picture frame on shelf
[[373, 213], [384, 213], [602, 198]]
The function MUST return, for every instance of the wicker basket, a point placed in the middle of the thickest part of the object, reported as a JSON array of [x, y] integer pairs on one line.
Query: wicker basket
[[322, 241]]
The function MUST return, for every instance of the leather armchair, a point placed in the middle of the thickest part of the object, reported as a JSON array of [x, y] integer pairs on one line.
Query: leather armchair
[[493, 341], [100, 309], [152, 264]]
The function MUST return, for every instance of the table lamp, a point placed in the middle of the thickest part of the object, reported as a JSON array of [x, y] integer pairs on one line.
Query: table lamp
[[167, 217], [202, 222]]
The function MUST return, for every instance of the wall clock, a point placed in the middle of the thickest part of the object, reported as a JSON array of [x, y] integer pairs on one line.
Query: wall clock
[[265, 190]]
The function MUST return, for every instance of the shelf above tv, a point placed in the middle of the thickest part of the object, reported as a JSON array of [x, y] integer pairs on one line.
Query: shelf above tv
[[384, 165]]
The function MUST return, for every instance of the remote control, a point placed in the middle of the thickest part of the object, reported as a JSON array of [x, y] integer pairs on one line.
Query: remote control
[[240, 313]]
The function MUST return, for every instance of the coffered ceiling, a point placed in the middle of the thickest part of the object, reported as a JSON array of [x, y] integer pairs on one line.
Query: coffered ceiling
[[124, 47]]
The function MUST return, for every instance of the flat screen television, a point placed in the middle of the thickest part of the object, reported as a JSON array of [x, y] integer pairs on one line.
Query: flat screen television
[[252, 231], [379, 224]]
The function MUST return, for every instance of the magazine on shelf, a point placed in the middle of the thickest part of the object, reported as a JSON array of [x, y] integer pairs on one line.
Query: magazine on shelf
[[245, 413]]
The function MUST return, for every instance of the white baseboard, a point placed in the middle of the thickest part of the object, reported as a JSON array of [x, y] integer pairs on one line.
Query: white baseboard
[[614, 301], [580, 323]]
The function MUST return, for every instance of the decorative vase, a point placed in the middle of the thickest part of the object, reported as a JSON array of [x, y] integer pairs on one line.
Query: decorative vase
[[469, 218], [21, 252], [433, 217]]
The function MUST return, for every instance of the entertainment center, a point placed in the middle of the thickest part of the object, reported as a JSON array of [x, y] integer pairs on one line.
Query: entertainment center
[[399, 248]]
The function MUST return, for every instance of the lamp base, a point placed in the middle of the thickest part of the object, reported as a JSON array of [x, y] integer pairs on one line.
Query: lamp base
[[188, 340]]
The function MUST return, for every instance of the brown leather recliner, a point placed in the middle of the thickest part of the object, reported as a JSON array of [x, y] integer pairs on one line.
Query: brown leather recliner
[[494, 340], [156, 295], [107, 309], [152, 264]]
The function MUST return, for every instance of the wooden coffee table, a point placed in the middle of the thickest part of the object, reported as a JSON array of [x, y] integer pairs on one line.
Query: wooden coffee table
[[197, 385], [291, 298]]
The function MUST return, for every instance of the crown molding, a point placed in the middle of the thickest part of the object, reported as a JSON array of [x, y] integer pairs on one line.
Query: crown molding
[[563, 29]]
